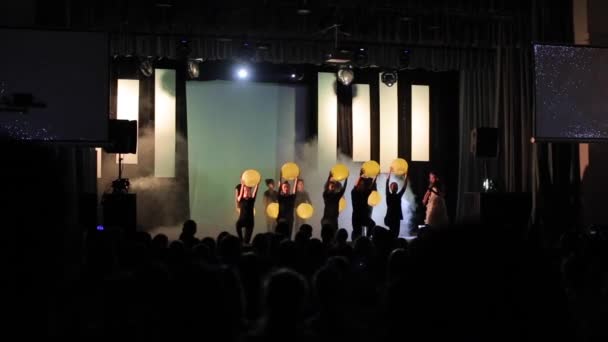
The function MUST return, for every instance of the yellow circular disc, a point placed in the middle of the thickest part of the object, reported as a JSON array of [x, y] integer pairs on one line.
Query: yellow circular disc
[[272, 210], [399, 166], [251, 178], [339, 172], [374, 198], [371, 168], [304, 211], [342, 204], [290, 171]]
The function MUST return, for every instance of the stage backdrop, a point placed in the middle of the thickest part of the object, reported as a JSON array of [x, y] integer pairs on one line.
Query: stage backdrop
[[233, 126]]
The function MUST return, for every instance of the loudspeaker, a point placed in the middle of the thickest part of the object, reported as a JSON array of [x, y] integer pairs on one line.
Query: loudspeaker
[[123, 136], [484, 142], [120, 211]]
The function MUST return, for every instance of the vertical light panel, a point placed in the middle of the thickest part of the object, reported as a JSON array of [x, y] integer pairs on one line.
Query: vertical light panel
[[164, 123], [389, 124], [327, 120], [420, 122], [127, 108], [98, 153], [361, 123]]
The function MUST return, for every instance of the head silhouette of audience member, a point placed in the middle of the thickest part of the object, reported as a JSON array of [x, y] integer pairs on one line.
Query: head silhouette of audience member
[[363, 249], [282, 228], [220, 236], [287, 254], [397, 265], [327, 234], [210, 243], [301, 238], [188, 232], [229, 250], [341, 236], [260, 245], [160, 241], [285, 295], [307, 230]]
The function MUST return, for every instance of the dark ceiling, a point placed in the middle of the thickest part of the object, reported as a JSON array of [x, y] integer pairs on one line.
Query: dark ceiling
[[146, 25]]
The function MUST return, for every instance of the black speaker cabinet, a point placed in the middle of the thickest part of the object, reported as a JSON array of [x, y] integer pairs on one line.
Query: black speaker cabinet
[[120, 211], [484, 142], [123, 136]]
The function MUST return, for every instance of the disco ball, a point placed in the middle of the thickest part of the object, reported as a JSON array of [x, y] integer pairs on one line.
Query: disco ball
[[346, 76]]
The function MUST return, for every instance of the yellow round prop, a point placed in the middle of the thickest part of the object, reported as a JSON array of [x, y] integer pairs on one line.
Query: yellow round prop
[[342, 204], [399, 166], [290, 171], [272, 210], [251, 178], [374, 198], [371, 168], [305, 211], [339, 172]]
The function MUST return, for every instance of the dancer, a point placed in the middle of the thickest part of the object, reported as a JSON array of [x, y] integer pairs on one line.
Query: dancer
[[301, 197], [245, 200], [270, 196], [394, 215], [436, 212], [286, 201], [362, 212], [332, 193]]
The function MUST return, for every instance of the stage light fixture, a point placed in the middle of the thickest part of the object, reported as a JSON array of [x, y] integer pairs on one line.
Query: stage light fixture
[[145, 66], [194, 68], [389, 78], [346, 75], [242, 72]]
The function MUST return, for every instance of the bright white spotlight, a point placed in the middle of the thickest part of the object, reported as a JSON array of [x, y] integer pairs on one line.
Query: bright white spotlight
[[242, 73], [293, 75]]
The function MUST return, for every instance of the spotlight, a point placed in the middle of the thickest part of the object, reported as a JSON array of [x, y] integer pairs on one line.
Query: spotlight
[[404, 58], [346, 75], [194, 68], [389, 78], [360, 57], [242, 72], [145, 67]]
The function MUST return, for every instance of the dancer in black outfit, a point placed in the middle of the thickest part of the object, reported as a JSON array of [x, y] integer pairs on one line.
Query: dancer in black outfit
[[302, 196], [394, 214], [245, 201], [270, 196], [362, 212], [332, 193], [287, 201]]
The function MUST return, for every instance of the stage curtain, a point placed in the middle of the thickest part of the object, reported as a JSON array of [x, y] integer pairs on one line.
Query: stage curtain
[[345, 119]]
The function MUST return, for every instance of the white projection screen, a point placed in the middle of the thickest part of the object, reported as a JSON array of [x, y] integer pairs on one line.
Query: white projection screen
[[234, 126], [54, 86]]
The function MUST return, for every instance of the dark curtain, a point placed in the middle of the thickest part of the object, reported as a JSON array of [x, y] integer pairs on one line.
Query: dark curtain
[[345, 119]]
